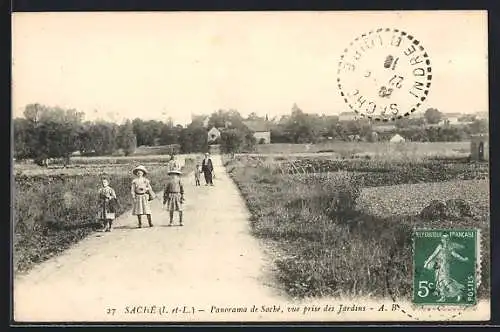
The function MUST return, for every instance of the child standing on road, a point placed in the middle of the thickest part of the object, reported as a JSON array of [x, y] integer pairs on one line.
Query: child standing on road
[[197, 174], [173, 195], [107, 201], [142, 193]]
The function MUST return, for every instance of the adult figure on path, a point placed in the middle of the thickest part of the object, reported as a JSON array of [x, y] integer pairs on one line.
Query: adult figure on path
[[207, 168], [142, 193]]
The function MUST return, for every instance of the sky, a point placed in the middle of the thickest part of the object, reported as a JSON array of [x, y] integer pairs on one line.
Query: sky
[[155, 65]]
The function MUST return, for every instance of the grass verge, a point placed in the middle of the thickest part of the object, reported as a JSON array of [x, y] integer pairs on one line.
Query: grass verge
[[329, 247]]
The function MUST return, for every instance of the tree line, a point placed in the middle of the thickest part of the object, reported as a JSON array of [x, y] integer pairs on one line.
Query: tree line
[[52, 132]]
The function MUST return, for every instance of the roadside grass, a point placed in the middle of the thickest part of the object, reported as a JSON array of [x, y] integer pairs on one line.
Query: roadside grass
[[53, 211], [329, 247]]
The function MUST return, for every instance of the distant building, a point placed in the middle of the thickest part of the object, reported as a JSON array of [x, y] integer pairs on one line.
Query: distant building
[[213, 135], [397, 139], [383, 128], [261, 130], [450, 119], [348, 116]]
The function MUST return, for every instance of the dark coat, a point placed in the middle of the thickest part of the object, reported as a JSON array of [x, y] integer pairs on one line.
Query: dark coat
[[207, 166]]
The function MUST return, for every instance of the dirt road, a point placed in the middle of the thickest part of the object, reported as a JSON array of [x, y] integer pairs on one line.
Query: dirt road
[[211, 260]]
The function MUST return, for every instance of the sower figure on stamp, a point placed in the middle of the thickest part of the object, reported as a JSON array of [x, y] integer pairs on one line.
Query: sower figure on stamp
[[440, 261], [173, 195], [207, 168], [107, 205], [142, 193]]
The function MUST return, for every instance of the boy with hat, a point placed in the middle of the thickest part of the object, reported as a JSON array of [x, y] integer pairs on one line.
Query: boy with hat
[[173, 194]]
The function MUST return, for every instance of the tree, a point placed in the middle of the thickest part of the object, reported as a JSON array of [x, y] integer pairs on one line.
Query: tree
[[467, 118], [253, 116], [433, 116], [479, 126], [126, 139], [232, 141], [193, 138], [146, 131], [169, 134], [103, 137], [50, 132], [230, 117], [300, 127], [23, 130]]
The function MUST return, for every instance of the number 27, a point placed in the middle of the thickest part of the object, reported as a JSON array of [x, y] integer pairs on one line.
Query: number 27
[[110, 311]]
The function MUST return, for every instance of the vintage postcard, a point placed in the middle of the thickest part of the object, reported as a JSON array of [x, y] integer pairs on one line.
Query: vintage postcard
[[250, 167]]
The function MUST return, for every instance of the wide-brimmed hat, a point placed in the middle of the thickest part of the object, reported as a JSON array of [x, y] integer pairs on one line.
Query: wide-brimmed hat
[[175, 170], [140, 168]]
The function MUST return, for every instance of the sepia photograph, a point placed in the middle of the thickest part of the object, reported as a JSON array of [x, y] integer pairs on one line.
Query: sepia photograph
[[281, 166]]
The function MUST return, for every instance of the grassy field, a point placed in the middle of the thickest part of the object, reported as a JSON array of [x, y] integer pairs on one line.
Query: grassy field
[[381, 150], [333, 235], [56, 207]]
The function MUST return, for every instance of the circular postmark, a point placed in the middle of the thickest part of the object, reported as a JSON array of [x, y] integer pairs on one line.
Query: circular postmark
[[384, 75]]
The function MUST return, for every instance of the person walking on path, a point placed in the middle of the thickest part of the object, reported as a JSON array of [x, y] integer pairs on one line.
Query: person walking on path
[[142, 193], [173, 195], [107, 205], [197, 174], [207, 168]]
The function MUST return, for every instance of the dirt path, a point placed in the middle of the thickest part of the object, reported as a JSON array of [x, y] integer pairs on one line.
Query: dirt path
[[212, 260]]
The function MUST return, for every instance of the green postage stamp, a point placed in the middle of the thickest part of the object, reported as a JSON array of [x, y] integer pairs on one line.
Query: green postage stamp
[[445, 266]]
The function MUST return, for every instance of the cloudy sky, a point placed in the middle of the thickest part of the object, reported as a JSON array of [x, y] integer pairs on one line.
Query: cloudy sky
[[155, 65]]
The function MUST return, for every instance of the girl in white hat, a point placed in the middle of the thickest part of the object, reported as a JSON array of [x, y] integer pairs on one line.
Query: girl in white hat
[[141, 191], [173, 195]]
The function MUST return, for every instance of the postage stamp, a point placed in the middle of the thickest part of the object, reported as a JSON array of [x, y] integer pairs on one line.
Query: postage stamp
[[445, 266], [385, 74]]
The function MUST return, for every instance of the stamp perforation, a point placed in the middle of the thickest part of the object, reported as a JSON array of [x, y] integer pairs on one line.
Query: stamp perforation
[[442, 312]]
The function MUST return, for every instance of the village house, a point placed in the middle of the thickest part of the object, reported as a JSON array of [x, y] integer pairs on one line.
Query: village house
[[450, 119], [213, 135], [261, 130]]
